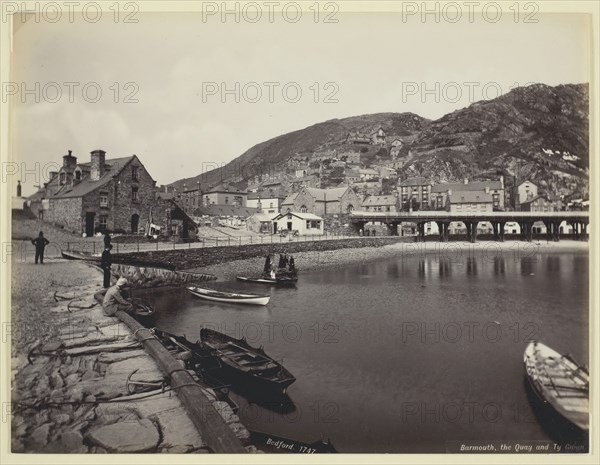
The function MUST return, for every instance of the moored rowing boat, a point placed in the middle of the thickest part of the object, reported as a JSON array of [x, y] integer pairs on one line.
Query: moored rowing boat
[[251, 365], [229, 297], [284, 281], [559, 382]]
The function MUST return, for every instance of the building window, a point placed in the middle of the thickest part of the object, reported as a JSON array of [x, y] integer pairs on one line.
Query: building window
[[226, 200], [78, 175], [303, 209], [103, 222], [134, 173], [496, 198], [350, 208], [62, 178], [104, 199], [134, 194], [270, 204], [307, 224]]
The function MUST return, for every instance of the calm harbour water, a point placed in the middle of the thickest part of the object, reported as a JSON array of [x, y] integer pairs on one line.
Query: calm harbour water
[[404, 354]]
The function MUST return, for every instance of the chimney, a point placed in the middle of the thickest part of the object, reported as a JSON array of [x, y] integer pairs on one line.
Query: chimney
[[69, 161], [502, 181], [18, 188], [466, 181], [97, 168]]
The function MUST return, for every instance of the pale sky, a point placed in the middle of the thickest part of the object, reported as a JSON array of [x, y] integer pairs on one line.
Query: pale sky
[[372, 59]]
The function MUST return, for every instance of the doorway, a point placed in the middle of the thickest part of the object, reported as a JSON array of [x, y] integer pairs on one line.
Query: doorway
[[289, 225], [135, 220], [89, 223]]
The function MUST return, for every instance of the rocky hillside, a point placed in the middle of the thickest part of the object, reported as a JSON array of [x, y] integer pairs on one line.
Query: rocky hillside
[[275, 153], [537, 132]]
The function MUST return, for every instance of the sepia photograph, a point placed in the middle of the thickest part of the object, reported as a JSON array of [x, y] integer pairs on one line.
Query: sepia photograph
[[299, 228]]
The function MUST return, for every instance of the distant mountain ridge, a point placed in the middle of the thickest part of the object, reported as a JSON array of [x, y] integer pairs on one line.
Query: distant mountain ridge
[[537, 132]]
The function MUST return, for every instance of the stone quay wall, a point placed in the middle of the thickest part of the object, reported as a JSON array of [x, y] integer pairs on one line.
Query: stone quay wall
[[147, 277], [197, 258]]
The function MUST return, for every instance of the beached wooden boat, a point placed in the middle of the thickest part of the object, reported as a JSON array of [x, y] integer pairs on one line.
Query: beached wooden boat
[[74, 255], [283, 281], [246, 364], [559, 382], [229, 297]]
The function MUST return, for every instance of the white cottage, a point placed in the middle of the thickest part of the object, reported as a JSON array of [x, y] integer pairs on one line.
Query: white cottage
[[305, 223]]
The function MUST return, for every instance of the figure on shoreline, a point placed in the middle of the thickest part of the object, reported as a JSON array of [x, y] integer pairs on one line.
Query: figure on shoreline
[[292, 263], [114, 300], [267, 268], [105, 264], [40, 244]]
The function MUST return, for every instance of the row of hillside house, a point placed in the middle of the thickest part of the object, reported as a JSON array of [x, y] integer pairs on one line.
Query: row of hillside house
[[418, 193], [115, 195], [377, 137], [322, 202]]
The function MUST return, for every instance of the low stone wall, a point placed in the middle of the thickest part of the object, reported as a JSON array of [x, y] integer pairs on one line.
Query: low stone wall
[[147, 277], [197, 258]]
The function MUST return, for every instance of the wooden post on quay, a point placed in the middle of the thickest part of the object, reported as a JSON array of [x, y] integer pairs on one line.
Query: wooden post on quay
[[209, 423]]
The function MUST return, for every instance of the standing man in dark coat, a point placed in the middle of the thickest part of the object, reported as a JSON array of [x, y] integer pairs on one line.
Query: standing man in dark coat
[[105, 264], [40, 244], [267, 268], [107, 240]]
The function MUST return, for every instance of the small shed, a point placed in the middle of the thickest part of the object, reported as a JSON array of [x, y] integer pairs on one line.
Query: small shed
[[260, 223]]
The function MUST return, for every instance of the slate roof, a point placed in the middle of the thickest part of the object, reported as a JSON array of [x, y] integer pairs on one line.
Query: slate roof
[[302, 216], [415, 181], [380, 200], [471, 186], [469, 197], [85, 186]]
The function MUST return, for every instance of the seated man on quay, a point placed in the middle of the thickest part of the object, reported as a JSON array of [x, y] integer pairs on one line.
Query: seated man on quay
[[114, 300]]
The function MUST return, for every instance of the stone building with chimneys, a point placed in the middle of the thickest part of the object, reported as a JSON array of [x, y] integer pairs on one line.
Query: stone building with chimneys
[[117, 194]]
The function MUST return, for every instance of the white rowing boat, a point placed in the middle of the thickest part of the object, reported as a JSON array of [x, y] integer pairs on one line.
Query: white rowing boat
[[559, 382], [229, 297]]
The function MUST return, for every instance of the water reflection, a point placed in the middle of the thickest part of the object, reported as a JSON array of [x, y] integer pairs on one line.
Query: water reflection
[[444, 267], [471, 266], [395, 342], [527, 265], [499, 266], [553, 264]]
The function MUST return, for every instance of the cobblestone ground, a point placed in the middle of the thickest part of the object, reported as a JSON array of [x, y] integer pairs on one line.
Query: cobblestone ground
[[70, 365]]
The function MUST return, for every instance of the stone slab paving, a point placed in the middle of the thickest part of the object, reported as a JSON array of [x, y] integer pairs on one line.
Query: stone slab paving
[[73, 397]]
